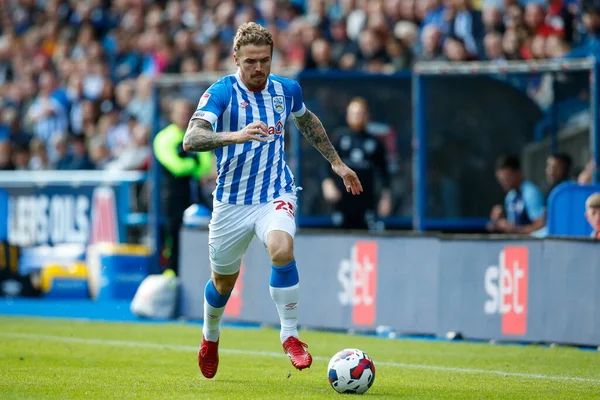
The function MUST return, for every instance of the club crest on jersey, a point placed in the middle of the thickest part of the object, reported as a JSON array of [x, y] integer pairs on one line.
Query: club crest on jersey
[[279, 104]]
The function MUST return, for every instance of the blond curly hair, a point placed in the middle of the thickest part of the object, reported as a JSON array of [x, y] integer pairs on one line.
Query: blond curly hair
[[252, 33]]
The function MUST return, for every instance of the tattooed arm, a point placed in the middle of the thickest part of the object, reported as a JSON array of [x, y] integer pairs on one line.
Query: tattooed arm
[[201, 137], [313, 130]]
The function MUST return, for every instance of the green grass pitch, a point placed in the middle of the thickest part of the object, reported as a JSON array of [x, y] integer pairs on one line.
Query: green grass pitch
[[67, 359]]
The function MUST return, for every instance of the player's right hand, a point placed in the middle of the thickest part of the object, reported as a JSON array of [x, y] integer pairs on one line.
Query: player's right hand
[[255, 131]]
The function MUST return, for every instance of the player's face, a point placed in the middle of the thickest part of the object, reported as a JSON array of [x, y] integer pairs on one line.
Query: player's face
[[593, 217], [255, 65]]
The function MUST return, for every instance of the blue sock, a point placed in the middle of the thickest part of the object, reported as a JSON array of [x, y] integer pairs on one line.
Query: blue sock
[[284, 276], [285, 291], [214, 306], [213, 297]]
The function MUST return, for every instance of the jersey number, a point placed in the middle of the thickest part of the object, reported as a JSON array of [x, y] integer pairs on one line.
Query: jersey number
[[284, 205]]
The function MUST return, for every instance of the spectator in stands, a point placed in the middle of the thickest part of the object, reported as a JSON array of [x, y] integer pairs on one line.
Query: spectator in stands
[[137, 155], [46, 113], [558, 170], [366, 155], [371, 55], [117, 130], [455, 50], [401, 56], [100, 153], [591, 21], [506, 4], [341, 44], [319, 56], [178, 167], [560, 19], [431, 39], [20, 157], [74, 95], [467, 25], [492, 44], [39, 155], [407, 32], [511, 45], [80, 158], [141, 105], [538, 47], [5, 158], [435, 14], [556, 47], [592, 214], [61, 151], [492, 19], [10, 126], [524, 210], [535, 21]]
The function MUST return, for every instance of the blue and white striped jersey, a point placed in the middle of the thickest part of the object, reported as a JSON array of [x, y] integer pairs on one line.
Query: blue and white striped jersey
[[252, 172]]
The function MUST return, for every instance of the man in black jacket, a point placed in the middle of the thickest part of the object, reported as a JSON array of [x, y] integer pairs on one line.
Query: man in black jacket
[[366, 155]]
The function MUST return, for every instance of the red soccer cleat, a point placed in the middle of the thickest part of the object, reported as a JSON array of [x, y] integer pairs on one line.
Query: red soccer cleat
[[295, 349], [208, 358]]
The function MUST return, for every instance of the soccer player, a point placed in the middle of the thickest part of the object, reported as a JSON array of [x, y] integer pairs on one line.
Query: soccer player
[[242, 118]]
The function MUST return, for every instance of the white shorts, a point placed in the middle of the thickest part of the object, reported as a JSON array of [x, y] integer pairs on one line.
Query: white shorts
[[232, 227]]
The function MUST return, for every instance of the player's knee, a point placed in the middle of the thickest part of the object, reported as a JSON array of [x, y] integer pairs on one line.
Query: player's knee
[[224, 283], [282, 256], [281, 248]]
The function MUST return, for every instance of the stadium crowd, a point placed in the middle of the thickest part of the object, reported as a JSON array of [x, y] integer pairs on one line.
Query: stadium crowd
[[75, 75]]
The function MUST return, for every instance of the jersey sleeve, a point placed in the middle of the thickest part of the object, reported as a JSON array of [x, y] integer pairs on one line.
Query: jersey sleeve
[[212, 103], [298, 107], [534, 202]]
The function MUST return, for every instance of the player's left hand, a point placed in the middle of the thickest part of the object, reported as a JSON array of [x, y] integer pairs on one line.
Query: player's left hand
[[351, 181]]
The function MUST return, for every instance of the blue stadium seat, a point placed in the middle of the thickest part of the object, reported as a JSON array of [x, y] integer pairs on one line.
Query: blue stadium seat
[[566, 209]]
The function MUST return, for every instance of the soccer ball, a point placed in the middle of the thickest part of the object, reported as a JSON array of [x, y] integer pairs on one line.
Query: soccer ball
[[351, 371]]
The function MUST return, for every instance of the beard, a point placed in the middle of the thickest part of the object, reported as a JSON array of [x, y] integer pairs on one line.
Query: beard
[[257, 81]]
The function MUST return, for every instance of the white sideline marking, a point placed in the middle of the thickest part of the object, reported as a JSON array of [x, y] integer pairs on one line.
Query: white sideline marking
[[146, 345]]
